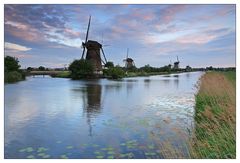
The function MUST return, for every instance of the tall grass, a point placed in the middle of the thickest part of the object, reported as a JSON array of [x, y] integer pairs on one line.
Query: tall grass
[[215, 117]]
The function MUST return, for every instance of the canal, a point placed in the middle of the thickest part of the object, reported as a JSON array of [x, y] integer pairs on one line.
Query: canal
[[141, 117]]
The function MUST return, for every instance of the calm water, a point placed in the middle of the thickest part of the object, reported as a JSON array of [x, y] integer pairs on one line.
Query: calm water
[[132, 118]]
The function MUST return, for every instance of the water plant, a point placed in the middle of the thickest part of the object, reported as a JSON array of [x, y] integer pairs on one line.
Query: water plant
[[215, 127], [30, 157], [63, 157], [69, 147]]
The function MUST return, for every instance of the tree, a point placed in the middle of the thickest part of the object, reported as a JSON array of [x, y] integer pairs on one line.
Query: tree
[[12, 73], [81, 69], [114, 72], [41, 68], [29, 69], [11, 64], [109, 64]]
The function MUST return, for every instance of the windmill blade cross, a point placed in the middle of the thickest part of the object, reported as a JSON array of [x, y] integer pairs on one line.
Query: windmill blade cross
[[104, 55], [89, 22], [83, 52]]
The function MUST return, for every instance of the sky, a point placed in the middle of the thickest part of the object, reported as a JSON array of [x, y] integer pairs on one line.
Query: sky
[[52, 35]]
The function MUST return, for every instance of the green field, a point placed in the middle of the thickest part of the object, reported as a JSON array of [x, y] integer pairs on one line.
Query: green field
[[215, 117]]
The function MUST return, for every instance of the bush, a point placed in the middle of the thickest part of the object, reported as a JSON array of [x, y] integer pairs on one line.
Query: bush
[[41, 68], [114, 72], [12, 73], [109, 64], [13, 76], [11, 64], [81, 69]]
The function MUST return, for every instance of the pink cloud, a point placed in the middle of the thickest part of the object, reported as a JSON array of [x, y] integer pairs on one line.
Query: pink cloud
[[202, 37], [23, 31], [72, 33], [169, 13]]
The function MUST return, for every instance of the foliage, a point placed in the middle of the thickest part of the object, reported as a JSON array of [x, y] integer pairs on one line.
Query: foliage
[[29, 69], [149, 69], [13, 76], [114, 72], [131, 69], [81, 69], [109, 64], [41, 68], [61, 74], [215, 127], [12, 73], [11, 64]]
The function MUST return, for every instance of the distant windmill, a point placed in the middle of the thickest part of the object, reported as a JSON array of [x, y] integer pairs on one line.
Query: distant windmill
[[176, 64], [128, 61], [93, 51], [170, 64]]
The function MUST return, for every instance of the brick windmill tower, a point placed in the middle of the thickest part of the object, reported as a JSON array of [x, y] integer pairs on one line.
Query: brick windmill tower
[[94, 50]]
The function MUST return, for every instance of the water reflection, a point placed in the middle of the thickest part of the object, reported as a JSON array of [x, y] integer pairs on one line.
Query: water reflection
[[93, 106], [104, 113], [147, 83]]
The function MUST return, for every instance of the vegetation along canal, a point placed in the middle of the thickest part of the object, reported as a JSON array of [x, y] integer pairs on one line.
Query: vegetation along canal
[[142, 117]]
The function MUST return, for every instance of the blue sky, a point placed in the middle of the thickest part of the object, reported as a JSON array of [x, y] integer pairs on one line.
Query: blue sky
[[51, 35]]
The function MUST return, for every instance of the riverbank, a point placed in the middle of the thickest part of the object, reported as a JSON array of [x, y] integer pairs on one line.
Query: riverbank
[[13, 77], [215, 117], [66, 74]]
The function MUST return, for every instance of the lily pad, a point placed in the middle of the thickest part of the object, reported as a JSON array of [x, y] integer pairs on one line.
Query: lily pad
[[110, 157], [42, 149], [29, 149], [59, 142], [46, 156], [22, 150], [151, 146], [30, 157], [41, 154], [110, 152], [97, 152], [130, 155], [69, 147], [63, 157], [104, 149], [95, 145], [110, 148], [84, 145], [100, 156], [150, 153]]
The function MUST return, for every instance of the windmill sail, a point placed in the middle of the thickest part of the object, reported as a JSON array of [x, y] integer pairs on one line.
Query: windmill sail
[[86, 37]]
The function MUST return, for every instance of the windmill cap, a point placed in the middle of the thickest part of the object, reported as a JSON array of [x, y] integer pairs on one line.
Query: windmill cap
[[91, 43], [129, 60]]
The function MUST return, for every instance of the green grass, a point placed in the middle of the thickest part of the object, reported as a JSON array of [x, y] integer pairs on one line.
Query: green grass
[[215, 117], [231, 76], [62, 74]]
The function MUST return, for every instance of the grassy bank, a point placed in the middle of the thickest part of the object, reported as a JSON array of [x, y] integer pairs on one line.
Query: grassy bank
[[215, 117], [13, 76], [61, 74]]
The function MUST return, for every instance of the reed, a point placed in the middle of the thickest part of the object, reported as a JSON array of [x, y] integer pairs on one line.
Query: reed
[[215, 117]]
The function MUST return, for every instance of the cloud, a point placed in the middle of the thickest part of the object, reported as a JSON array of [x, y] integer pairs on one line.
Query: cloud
[[203, 37], [168, 14], [39, 23], [15, 47], [159, 30]]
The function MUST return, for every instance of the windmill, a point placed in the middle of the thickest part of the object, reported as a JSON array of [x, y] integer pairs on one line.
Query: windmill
[[170, 64], [94, 50], [128, 61], [176, 64]]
